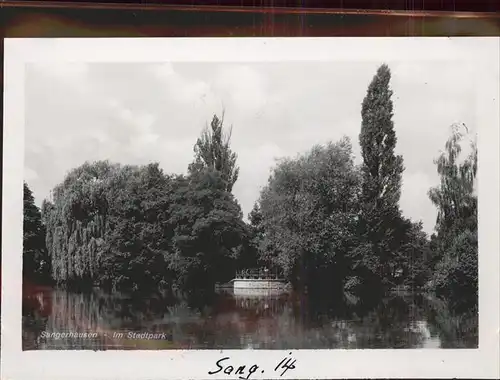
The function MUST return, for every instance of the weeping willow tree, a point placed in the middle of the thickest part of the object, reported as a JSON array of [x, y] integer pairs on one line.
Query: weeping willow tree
[[456, 226], [455, 197], [75, 221], [107, 226]]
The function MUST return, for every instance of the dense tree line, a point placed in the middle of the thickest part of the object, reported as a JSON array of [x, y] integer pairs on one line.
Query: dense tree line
[[321, 221], [137, 228], [329, 224]]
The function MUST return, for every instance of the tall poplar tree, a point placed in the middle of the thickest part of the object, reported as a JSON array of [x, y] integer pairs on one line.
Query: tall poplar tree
[[213, 152], [381, 176]]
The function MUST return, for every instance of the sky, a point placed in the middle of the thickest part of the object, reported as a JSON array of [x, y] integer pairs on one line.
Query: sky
[[136, 113]]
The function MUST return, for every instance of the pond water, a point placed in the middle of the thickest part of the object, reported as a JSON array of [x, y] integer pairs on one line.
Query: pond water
[[244, 320]]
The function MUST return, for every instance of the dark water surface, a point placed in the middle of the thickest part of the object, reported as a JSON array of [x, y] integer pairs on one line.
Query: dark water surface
[[249, 320]]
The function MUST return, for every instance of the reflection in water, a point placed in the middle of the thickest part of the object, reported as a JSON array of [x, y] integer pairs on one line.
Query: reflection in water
[[275, 320]]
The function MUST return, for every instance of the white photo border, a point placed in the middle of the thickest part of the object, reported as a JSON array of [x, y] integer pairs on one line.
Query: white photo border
[[195, 364]]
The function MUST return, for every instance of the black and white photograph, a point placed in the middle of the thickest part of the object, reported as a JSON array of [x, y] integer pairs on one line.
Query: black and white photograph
[[254, 204]]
